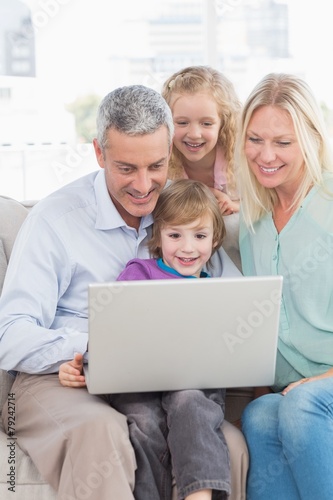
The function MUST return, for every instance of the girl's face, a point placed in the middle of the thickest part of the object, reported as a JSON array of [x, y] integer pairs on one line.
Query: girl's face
[[187, 248], [197, 125], [272, 150]]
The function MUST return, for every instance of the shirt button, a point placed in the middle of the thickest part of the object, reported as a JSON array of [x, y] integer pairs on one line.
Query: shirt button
[[274, 257]]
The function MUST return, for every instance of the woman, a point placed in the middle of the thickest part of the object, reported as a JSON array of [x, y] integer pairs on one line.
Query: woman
[[286, 187]]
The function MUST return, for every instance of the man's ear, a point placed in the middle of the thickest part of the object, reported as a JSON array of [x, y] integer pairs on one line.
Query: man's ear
[[99, 153]]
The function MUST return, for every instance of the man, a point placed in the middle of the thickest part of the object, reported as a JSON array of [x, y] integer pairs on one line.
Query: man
[[85, 232]]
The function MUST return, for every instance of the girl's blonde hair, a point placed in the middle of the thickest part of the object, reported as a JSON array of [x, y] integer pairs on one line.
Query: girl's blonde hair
[[181, 203], [192, 80], [293, 95]]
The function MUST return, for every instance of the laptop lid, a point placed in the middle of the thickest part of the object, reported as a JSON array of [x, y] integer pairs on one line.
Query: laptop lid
[[180, 334]]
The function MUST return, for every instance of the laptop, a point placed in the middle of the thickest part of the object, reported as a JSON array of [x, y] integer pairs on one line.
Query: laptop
[[162, 335]]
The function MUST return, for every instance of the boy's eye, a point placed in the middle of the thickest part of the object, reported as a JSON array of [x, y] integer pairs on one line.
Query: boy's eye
[[174, 235], [201, 236]]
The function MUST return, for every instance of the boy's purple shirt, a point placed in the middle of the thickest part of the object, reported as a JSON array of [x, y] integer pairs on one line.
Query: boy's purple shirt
[[149, 269]]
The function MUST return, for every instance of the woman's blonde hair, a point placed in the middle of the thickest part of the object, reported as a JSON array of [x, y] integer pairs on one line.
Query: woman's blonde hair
[[293, 95], [192, 80], [183, 202]]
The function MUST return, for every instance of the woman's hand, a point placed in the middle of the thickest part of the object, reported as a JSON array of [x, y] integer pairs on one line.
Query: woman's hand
[[226, 204], [70, 373], [291, 386]]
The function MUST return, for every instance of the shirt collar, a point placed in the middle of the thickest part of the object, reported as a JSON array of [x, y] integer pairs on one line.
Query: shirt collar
[[170, 270]]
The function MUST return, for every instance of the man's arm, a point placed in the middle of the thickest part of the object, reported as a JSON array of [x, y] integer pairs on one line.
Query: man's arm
[[39, 272]]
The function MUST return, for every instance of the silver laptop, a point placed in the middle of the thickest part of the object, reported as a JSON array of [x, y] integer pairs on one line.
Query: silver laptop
[[164, 335]]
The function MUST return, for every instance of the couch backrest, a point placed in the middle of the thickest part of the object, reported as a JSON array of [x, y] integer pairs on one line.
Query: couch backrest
[[12, 214]]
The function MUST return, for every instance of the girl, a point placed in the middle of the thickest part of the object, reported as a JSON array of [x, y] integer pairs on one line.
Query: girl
[[205, 110]]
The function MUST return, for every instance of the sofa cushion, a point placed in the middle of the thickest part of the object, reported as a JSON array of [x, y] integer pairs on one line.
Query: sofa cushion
[[26, 480], [231, 243]]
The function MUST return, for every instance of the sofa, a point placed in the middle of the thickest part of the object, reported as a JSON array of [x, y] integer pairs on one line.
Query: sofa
[[23, 477]]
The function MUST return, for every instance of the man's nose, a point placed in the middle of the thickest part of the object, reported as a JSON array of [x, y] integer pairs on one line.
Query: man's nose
[[142, 183]]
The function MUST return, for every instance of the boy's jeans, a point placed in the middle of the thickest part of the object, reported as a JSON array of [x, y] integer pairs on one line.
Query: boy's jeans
[[177, 433]]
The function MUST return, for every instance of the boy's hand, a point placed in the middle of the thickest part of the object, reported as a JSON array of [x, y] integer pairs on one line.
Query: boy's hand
[[70, 373]]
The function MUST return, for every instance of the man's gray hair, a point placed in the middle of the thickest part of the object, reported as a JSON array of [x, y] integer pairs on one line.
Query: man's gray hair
[[133, 110]]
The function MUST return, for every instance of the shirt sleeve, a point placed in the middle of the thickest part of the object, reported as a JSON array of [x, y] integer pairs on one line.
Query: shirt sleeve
[[39, 272], [135, 270]]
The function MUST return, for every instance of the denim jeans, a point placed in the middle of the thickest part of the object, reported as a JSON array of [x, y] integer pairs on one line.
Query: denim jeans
[[290, 441], [177, 434]]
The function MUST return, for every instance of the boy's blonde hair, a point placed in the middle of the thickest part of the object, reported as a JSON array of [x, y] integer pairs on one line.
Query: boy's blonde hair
[[181, 203], [192, 80], [293, 95]]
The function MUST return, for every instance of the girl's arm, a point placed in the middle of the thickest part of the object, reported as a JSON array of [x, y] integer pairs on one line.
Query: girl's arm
[[226, 204]]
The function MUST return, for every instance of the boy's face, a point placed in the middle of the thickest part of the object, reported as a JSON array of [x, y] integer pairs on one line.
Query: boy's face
[[187, 248], [136, 169]]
